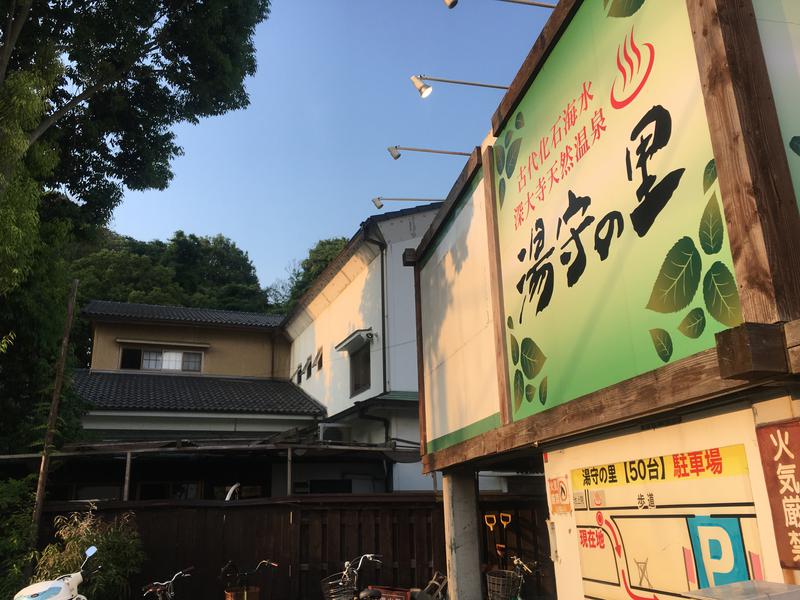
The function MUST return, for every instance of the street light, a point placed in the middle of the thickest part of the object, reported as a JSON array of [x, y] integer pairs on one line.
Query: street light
[[379, 200], [425, 90], [395, 151], [452, 3]]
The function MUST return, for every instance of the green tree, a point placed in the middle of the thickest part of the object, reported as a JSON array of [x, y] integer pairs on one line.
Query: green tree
[[286, 293], [89, 92]]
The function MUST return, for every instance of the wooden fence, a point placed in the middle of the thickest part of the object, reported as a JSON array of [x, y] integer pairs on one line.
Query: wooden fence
[[311, 536]]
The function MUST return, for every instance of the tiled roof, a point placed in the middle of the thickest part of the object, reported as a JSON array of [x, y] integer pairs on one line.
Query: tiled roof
[[126, 311], [181, 393]]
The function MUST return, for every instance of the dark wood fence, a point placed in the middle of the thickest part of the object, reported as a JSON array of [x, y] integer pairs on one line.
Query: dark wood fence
[[310, 537]]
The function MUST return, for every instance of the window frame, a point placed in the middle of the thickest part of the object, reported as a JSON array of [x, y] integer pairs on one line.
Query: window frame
[[357, 353], [161, 351]]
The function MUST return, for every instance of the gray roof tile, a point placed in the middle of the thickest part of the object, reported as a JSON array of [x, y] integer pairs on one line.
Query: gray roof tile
[[127, 311], [181, 393]]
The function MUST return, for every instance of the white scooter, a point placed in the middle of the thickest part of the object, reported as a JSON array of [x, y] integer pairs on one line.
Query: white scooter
[[63, 588]]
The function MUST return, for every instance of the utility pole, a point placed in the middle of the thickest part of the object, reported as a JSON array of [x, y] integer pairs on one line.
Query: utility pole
[[53, 418]]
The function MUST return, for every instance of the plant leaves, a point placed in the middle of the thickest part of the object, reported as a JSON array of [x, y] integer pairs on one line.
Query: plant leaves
[[511, 157], [507, 140], [502, 191], [543, 391], [721, 295], [510, 323], [709, 175], [678, 279], [794, 144], [514, 350], [711, 227], [532, 358], [693, 323], [623, 8], [519, 384], [499, 158], [663, 343], [519, 122], [530, 392]]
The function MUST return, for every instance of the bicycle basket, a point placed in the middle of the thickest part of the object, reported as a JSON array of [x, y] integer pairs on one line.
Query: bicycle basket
[[335, 588], [503, 585], [251, 592]]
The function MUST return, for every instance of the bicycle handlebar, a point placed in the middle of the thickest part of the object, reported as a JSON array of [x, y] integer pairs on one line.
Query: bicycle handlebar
[[518, 562], [156, 586]]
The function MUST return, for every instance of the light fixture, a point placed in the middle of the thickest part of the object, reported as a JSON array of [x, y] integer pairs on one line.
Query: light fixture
[[394, 151], [450, 3], [379, 200], [425, 90]]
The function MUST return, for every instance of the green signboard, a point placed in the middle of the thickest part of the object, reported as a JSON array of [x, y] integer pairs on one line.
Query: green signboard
[[779, 27], [613, 246]]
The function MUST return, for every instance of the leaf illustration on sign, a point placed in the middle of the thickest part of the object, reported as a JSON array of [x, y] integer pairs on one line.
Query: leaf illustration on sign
[[514, 350], [530, 392], [622, 8], [709, 175], [721, 295], [507, 140], [678, 279], [794, 144], [543, 391], [511, 157], [502, 191], [663, 343], [711, 227], [693, 324], [519, 385], [532, 358], [499, 158], [519, 122], [510, 323]]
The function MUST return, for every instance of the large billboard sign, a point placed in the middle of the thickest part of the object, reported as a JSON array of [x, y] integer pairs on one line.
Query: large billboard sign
[[612, 237]]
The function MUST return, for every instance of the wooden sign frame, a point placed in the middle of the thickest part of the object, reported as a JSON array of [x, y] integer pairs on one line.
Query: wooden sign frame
[[764, 234]]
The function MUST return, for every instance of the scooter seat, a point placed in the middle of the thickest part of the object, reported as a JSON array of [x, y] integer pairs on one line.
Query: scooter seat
[[370, 595]]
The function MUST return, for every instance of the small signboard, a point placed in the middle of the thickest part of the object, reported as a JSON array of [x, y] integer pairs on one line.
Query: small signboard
[[559, 495], [779, 444]]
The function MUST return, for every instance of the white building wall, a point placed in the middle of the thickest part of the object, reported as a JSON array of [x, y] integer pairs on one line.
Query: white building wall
[[358, 306]]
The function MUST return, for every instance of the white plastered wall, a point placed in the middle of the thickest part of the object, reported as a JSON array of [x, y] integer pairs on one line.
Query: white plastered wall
[[706, 431]]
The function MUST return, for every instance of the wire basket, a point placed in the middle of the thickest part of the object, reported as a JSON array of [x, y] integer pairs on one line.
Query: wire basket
[[335, 587], [250, 592], [503, 585]]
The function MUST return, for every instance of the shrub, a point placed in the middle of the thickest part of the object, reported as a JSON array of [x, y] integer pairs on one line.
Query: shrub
[[16, 548], [119, 551]]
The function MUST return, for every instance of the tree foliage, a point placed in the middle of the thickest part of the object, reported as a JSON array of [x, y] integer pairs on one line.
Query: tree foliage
[[89, 92], [119, 551], [16, 551]]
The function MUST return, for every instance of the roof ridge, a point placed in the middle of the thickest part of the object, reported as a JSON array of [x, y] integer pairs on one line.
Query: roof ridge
[[227, 310]]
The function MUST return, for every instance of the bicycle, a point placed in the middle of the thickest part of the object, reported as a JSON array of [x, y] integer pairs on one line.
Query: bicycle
[[436, 589], [503, 584], [237, 583], [344, 585], [165, 590]]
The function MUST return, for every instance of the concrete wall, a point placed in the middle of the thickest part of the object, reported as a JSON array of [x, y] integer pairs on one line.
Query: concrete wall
[[705, 431], [230, 352], [459, 354]]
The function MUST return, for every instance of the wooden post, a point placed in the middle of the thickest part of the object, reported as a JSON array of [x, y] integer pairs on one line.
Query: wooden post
[[53, 418], [127, 485], [289, 472], [462, 534]]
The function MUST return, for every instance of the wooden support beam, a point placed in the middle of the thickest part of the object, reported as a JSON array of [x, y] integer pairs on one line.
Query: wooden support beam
[[754, 178], [127, 484], [751, 350], [791, 332]]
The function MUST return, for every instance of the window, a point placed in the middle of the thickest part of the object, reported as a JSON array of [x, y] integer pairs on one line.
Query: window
[[308, 368], [318, 359], [131, 358], [359, 370], [192, 361], [151, 359], [299, 374], [161, 360]]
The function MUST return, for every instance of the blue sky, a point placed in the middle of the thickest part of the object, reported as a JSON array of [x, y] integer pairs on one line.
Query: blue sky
[[331, 93]]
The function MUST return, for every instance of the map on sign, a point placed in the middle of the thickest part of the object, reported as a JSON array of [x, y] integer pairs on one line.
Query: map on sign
[[661, 526]]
